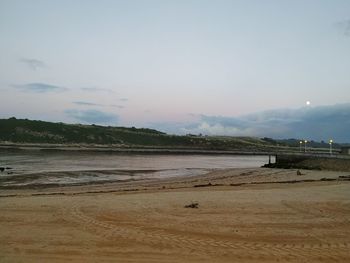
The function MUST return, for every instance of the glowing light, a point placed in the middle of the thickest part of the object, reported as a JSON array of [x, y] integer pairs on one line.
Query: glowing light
[[308, 103]]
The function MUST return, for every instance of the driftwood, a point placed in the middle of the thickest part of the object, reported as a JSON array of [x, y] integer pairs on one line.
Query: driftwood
[[192, 205]]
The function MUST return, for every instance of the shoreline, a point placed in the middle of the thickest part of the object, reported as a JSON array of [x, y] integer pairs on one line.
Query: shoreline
[[285, 152], [226, 178], [127, 150]]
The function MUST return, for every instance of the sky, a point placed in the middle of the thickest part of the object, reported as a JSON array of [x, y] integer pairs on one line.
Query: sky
[[178, 66]]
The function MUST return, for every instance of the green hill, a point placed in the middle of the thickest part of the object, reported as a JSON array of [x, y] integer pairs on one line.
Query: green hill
[[23, 131], [30, 131]]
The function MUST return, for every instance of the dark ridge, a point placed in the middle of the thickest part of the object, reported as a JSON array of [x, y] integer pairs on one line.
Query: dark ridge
[[49, 136], [24, 131]]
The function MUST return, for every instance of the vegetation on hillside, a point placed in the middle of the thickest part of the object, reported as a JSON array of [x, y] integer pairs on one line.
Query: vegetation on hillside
[[40, 132], [30, 131]]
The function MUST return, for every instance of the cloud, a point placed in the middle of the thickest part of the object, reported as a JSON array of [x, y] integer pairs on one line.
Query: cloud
[[85, 103], [344, 27], [33, 64], [315, 123], [96, 89], [93, 116], [124, 99], [117, 106], [39, 88]]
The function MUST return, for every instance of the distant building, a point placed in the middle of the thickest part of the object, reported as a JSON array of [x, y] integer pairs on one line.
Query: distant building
[[345, 150]]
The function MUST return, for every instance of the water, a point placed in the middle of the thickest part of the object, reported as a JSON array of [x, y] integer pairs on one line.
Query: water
[[32, 168]]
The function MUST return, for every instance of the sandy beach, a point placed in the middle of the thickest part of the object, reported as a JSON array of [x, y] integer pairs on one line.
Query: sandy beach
[[243, 215]]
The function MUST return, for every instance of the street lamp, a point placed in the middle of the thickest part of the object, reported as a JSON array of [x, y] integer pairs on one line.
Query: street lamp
[[330, 146], [305, 145], [300, 144]]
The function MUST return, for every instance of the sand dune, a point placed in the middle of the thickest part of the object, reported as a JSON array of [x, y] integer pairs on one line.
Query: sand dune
[[236, 221]]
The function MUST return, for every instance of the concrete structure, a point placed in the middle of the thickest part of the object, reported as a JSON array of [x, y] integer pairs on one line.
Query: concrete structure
[[345, 150], [331, 163]]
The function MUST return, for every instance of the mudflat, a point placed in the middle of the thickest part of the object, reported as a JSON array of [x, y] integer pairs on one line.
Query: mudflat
[[243, 215]]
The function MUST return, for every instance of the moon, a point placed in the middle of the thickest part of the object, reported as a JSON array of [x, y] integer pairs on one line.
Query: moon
[[308, 103]]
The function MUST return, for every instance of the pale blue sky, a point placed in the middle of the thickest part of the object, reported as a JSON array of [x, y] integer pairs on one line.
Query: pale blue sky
[[141, 62]]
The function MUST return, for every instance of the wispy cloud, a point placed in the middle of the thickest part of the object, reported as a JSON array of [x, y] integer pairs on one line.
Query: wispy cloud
[[117, 106], [85, 103], [124, 99], [96, 89], [33, 64], [93, 116], [39, 88]]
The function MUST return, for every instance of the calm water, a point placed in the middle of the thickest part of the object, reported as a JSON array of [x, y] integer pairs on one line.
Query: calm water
[[35, 167]]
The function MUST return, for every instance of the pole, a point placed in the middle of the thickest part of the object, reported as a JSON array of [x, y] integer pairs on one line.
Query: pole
[[331, 148], [305, 146]]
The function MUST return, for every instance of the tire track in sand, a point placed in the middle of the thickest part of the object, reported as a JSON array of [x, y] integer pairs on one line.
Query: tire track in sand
[[336, 252]]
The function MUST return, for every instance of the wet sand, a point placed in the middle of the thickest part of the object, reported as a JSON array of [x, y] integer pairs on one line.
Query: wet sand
[[37, 169], [244, 215]]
